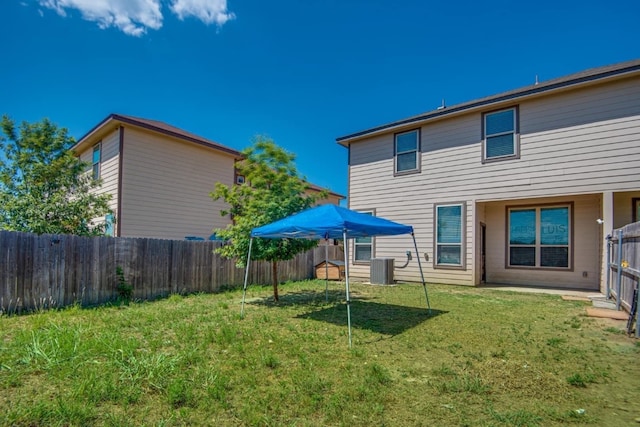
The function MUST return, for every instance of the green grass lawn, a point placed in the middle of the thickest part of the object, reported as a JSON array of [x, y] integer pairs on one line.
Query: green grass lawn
[[482, 358]]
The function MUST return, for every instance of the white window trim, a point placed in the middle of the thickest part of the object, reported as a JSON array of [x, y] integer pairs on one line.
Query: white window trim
[[515, 132], [97, 146], [417, 151], [463, 237], [538, 245], [372, 244]]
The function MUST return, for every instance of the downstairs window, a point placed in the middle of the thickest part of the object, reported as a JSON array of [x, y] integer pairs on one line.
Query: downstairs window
[[539, 237]]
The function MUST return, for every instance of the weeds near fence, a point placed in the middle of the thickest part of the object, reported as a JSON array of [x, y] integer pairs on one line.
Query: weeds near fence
[[125, 290], [44, 303], [11, 307]]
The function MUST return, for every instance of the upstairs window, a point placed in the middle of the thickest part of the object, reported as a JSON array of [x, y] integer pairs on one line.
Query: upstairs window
[[500, 135], [407, 152], [97, 157]]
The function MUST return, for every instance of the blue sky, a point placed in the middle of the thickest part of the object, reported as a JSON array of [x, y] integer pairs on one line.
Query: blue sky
[[300, 71]]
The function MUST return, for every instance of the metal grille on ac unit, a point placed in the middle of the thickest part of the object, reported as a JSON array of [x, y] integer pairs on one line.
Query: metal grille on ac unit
[[381, 271]]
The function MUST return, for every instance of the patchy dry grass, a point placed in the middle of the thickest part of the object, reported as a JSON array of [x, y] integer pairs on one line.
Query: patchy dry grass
[[482, 358]]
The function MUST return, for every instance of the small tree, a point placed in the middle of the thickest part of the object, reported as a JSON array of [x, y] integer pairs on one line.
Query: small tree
[[43, 186], [272, 190]]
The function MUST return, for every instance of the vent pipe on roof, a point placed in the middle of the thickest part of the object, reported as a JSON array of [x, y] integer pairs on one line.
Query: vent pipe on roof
[[443, 106]]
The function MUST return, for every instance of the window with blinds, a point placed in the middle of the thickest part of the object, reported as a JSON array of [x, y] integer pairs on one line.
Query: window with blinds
[[449, 237], [500, 135], [407, 152], [539, 237]]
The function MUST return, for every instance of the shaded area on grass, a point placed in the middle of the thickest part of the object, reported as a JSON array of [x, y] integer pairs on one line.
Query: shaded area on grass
[[387, 319], [312, 298]]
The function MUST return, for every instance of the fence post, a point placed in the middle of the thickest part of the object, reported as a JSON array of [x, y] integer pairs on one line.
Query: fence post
[[637, 307], [619, 275], [608, 284]]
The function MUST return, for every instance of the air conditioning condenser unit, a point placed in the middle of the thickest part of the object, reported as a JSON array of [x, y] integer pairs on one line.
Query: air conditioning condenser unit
[[381, 271]]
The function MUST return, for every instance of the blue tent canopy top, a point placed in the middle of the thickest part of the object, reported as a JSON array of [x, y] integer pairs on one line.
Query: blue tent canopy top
[[330, 222]]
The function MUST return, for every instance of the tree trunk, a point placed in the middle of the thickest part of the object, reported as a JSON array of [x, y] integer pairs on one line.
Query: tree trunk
[[274, 272]]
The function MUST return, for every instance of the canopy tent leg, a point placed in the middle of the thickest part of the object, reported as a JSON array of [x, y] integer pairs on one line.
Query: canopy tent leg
[[346, 274], [246, 278], [424, 285], [326, 269]]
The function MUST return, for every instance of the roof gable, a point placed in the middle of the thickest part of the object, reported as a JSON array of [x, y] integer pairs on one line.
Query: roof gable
[[154, 126]]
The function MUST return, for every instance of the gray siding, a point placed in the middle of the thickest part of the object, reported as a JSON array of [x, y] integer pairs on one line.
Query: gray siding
[[578, 142]]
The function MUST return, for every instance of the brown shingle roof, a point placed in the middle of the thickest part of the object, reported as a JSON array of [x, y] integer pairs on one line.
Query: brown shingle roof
[[163, 128], [319, 189], [561, 82], [170, 130]]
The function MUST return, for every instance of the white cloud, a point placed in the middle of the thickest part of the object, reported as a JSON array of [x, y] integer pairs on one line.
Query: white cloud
[[208, 11], [135, 17]]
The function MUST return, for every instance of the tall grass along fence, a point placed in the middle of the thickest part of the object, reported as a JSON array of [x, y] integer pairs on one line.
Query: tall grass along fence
[[623, 273], [44, 271]]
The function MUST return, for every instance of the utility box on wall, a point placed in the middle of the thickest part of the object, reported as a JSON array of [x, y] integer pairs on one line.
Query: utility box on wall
[[381, 271]]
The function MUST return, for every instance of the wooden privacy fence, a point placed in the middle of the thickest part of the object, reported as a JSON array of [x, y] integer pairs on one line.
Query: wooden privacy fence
[[43, 271], [623, 259]]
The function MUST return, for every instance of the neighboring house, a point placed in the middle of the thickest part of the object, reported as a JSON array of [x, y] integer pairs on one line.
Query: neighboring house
[[507, 189], [160, 177]]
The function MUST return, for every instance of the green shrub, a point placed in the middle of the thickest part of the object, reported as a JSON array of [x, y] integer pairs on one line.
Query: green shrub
[[125, 290]]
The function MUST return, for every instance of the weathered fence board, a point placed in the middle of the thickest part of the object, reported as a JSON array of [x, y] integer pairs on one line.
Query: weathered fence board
[[625, 247], [42, 271]]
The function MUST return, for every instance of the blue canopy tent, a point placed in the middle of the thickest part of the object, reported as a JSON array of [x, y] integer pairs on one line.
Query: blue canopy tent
[[331, 222]]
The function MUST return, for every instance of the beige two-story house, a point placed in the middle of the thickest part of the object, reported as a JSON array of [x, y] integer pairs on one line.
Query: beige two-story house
[[159, 177], [517, 188]]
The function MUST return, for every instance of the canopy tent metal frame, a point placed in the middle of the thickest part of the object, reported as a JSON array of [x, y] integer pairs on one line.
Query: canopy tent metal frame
[[330, 221]]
